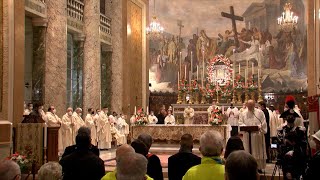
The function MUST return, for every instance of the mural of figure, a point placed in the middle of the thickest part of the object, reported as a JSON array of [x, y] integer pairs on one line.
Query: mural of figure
[[244, 35], [172, 49], [293, 61], [191, 48], [194, 41], [225, 42], [205, 44], [164, 46], [254, 47]]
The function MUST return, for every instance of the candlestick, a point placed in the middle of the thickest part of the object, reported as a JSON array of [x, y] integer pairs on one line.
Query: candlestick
[[190, 79], [258, 77], [202, 67], [239, 69], [135, 110], [245, 78], [197, 72], [252, 69], [178, 80], [45, 135], [180, 62], [147, 110], [185, 72], [191, 66]]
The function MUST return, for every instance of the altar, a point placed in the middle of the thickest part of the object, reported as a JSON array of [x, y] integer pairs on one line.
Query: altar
[[174, 132]]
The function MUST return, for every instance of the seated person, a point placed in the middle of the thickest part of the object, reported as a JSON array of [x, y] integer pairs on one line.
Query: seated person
[[73, 148], [9, 170], [181, 162], [50, 171], [234, 143]]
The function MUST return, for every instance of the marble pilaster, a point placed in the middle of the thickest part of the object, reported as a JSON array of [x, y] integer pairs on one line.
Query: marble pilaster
[[106, 74], [91, 64], [1, 52], [55, 92], [118, 32], [39, 57]]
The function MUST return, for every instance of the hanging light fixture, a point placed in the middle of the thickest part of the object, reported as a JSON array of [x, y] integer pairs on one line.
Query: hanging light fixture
[[287, 20], [155, 27]]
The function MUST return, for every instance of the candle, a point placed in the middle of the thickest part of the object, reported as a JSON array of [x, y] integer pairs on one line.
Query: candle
[[258, 77], [45, 135], [191, 66], [190, 79], [252, 69], [185, 72], [135, 110], [147, 110], [178, 80], [180, 62], [239, 69], [197, 72], [222, 109], [245, 77], [202, 67]]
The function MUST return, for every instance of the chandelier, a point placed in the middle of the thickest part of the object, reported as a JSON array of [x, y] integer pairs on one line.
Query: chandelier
[[155, 27], [287, 21]]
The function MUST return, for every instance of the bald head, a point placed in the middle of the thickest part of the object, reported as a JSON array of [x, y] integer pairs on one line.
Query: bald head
[[124, 149], [250, 105]]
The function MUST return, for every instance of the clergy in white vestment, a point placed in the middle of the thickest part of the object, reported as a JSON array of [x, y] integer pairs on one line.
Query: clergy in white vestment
[[90, 123], [67, 130], [78, 121], [169, 120], [120, 138], [152, 119], [133, 119], [233, 119], [52, 119], [244, 107], [104, 131], [188, 114], [123, 126], [255, 117], [273, 122], [28, 109]]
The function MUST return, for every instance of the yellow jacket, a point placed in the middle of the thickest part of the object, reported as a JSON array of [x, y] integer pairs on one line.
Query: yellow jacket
[[112, 176], [211, 168]]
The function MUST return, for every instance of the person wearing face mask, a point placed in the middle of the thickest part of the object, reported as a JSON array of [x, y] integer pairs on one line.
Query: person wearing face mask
[[103, 130], [292, 143], [78, 121], [66, 130], [37, 115], [52, 119], [169, 120], [255, 117], [28, 109], [89, 120]]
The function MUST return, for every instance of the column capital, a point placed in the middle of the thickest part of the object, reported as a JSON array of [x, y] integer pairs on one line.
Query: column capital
[[79, 37], [40, 22]]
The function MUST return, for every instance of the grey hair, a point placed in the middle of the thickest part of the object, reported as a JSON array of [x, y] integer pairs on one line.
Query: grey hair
[[241, 164], [132, 166], [9, 169], [146, 139], [50, 171], [84, 130], [211, 143]]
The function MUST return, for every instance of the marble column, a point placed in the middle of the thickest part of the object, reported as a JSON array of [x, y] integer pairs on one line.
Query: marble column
[[39, 57], [119, 35], [91, 64], [55, 92], [78, 68], [1, 52], [106, 75]]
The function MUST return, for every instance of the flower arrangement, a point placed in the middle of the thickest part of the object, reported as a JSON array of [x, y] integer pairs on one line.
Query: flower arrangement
[[239, 82], [23, 160], [252, 86], [195, 86], [216, 116], [183, 85], [226, 90], [141, 118]]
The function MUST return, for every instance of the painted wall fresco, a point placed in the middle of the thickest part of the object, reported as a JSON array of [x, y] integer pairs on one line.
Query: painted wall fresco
[[192, 27]]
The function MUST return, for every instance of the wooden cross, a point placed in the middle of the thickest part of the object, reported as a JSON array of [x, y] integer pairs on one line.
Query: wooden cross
[[233, 18]]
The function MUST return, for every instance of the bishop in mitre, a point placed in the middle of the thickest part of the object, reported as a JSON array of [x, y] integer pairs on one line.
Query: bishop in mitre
[[90, 123], [67, 130], [120, 138], [78, 121], [169, 120], [104, 131], [188, 114], [152, 119], [255, 117]]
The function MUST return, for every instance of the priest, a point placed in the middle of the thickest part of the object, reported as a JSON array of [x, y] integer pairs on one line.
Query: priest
[[123, 126], [66, 130], [169, 120], [252, 116], [78, 121], [103, 130], [90, 123], [51, 118], [120, 138], [188, 114]]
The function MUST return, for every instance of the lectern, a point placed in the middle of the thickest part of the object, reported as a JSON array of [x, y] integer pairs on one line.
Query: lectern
[[249, 130]]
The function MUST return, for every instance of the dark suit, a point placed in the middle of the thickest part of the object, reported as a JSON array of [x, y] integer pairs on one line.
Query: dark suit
[[73, 148], [180, 163], [160, 118], [82, 165], [267, 135], [154, 169]]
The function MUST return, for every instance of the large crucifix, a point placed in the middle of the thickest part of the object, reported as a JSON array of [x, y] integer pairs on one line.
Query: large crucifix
[[233, 18]]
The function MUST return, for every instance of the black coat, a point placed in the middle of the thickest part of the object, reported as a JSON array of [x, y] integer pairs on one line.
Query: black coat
[[160, 118], [154, 169], [82, 165], [73, 148], [180, 163], [313, 167]]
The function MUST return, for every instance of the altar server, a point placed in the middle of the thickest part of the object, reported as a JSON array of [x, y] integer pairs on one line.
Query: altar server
[[233, 119], [152, 119], [67, 130], [90, 123], [120, 138], [103, 129], [123, 125], [188, 114], [169, 120]]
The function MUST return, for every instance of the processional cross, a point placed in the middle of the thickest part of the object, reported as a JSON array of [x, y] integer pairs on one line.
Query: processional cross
[[233, 18]]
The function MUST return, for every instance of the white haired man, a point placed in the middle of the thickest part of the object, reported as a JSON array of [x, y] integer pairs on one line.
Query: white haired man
[[9, 170], [241, 165], [211, 147], [50, 171], [132, 166]]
